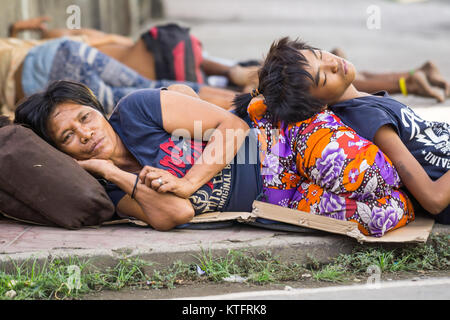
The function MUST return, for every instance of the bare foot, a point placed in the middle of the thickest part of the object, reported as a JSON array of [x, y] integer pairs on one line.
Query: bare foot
[[418, 84], [339, 52], [435, 77]]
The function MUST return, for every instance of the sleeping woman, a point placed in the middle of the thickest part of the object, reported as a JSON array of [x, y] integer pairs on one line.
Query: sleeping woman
[[167, 155]]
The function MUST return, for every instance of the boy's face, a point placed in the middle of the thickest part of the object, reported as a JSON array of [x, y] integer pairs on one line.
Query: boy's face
[[332, 75]]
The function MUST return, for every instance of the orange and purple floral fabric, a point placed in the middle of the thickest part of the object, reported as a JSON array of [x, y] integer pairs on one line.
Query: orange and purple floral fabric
[[323, 167]]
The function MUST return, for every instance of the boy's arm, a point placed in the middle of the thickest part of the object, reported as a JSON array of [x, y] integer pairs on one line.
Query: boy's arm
[[434, 196], [163, 211]]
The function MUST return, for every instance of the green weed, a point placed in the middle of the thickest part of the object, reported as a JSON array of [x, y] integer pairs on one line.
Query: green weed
[[330, 273], [51, 280]]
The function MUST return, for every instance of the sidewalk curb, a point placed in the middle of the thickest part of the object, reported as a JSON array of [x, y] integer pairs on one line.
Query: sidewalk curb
[[287, 246], [299, 248]]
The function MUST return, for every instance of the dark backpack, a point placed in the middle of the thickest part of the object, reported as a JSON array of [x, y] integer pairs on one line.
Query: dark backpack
[[177, 54]]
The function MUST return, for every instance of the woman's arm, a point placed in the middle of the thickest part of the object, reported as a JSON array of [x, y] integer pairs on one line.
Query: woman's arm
[[434, 196], [161, 211], [202, 121]]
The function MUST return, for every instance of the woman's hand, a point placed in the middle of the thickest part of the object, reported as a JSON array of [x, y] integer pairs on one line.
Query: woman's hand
[[163, 181], [98, 167]]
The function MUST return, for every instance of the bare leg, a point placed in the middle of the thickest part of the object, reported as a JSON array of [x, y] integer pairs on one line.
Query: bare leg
[[184, 89], [417, 83], [369, 84], [213, 95], [220, 97]]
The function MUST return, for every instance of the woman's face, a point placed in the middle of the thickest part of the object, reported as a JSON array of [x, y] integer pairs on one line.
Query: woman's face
[[332, 74], [81, 132]]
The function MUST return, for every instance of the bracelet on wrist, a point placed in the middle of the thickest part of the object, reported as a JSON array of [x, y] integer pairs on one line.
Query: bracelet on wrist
[[402, 85], [135, 187]]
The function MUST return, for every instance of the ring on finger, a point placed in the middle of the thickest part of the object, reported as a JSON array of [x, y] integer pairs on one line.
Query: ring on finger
[[160, 181]]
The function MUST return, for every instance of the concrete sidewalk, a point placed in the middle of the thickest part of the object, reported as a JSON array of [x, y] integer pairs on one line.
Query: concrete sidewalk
[[107, 244], [104, 246]]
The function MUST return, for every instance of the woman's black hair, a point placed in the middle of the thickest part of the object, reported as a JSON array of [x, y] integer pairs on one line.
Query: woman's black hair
[[4, 121], [35, 110], [284, 83]]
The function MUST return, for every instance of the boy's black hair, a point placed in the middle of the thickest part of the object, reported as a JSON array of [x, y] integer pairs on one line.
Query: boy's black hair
[[35, 110], [285, 84]]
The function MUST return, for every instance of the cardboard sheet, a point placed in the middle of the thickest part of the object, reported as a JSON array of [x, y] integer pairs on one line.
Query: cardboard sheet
[[417, 231]]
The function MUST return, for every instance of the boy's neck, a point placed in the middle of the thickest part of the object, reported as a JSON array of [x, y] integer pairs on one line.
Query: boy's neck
[[350, 93]]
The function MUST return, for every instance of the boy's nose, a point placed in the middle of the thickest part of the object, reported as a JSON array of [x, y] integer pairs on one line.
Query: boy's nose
[[332, 64]]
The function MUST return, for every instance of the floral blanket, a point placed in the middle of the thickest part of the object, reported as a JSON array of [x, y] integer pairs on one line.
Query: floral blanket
[[323, 167]]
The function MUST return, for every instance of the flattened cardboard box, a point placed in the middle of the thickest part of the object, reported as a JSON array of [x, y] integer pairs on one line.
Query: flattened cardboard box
[[416, 231]]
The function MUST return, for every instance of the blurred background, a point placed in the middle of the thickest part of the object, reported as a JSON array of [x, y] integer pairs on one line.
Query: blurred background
[[376, 35]]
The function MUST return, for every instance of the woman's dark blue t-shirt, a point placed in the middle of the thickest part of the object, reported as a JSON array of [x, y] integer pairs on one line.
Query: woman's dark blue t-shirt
[[137, 120]]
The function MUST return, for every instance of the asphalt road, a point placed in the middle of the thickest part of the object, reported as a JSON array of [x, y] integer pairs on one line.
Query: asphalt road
[[430, 289]]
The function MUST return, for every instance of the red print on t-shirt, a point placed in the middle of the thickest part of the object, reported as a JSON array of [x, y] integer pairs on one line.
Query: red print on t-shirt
[[174, 161]]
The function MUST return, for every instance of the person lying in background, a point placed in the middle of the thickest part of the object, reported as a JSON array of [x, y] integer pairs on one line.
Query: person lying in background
[[150, 54], [146, 57], [163, 53], [28, 66]]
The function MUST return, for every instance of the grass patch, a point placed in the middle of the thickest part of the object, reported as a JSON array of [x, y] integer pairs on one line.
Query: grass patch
[[53, 279], [433, 255], [40, 282], [29, 280], [127, 272], [264, 268], [329, 273], [258, 268]]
